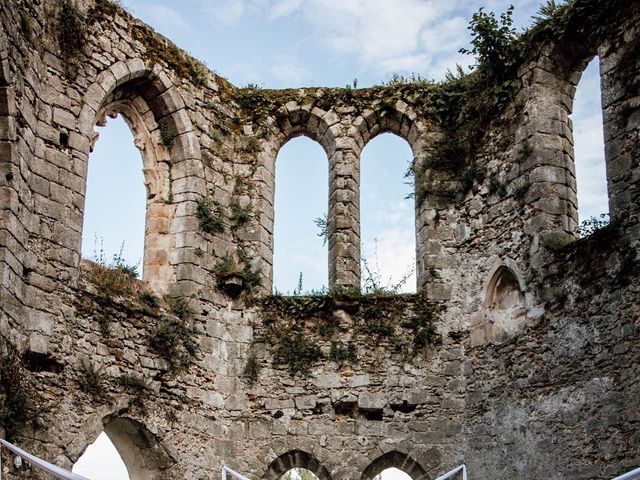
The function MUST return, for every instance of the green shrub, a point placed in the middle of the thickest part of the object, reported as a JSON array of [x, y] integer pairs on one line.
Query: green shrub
[[178, 307], [298, 352], [227, 267], [92, 381], [149, 299], [198, 72], [341, 353], [593, 224], [166, 136], [20, 406], [175, 341], [73, 30], [211, 215], [25, 25], [239, 215], [131, 381]]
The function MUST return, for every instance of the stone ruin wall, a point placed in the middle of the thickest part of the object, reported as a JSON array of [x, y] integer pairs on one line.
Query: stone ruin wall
[[535, 373]]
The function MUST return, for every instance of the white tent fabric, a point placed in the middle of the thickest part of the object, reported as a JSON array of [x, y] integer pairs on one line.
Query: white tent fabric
[[58, 472]]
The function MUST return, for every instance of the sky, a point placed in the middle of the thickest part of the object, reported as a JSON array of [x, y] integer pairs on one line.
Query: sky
[[288, 43]]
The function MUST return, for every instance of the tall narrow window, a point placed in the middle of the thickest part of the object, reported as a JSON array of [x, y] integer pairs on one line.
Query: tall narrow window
[[588, 137], [300, 258], [387, 217], [101, 461], [115, 202]]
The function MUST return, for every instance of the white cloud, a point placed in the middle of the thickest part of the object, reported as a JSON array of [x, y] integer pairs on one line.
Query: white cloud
[[162, 16], [380, 35], [244, 73], [225, 12], [289, 72], [383, 36], [283, 8], [390, 259]]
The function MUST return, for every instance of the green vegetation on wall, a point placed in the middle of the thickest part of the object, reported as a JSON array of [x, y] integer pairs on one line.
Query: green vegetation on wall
[[297, 327], [20, 407], [174, 336]]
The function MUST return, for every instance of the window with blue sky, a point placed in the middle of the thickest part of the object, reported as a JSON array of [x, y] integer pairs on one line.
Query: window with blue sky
[[295, 43]]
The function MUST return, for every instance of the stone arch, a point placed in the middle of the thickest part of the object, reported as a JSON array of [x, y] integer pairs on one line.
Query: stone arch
[[401, 120], [383, 167], [293, 459], [503, 288], [504, 305], [174, 172], [395, 459], [142, 453], [545, 140], [293, 121]]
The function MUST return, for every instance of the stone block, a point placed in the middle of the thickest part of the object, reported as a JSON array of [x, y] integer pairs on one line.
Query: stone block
[[372, 401]]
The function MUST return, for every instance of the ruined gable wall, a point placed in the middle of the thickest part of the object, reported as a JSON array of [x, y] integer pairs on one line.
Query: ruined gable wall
[[457, 400]]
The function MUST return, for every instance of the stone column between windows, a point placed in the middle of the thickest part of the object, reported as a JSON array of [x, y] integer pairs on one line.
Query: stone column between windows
[[344, 214]]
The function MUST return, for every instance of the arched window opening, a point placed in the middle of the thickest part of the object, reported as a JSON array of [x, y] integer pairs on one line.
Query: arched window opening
[[392, 474], [588, 134], [299, 473], [505, 309], [296, 465], [101, 461], [300, 258], [387, 216], [504, 291], [394, 465], [115, 200]]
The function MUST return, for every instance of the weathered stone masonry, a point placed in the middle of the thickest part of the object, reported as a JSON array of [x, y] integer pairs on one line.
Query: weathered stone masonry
[[532, 371]]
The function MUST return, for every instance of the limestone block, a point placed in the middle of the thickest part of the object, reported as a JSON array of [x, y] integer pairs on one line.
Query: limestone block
[[372, 401], [38, 343], [329, 380]]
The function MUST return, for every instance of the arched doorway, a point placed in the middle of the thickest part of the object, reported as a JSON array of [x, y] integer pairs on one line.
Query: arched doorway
[[101, 461]]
